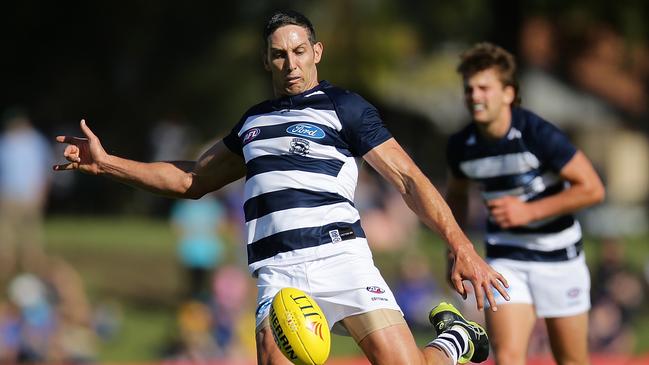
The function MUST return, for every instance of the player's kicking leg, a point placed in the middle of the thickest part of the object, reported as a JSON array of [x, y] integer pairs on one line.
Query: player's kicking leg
[[464, 340], [457, 341]]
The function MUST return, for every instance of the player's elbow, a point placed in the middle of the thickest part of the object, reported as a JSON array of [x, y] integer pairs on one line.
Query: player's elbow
[[407, 183], [189, 188], [598, 193], [595, 192]]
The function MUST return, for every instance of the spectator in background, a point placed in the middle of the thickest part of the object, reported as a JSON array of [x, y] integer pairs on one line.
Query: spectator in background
[[617, 295], [170, 137], [231, 288], [613, 70], [75, 340], [37, 322], [387, 221], [200, 247], [48, 318], [25, 156], [9, 332], [614, 280], [416, 289], [609, 332]]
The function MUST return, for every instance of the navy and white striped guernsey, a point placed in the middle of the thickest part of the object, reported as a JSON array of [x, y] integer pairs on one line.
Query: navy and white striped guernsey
[[301, 175], [525, 163]]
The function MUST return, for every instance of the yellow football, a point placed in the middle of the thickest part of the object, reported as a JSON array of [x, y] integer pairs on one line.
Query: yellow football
[[299, 327]]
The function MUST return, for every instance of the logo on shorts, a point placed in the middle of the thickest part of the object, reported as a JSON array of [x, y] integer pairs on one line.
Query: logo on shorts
[[250, 135], [375, 289], [335, 236], [574, 293]]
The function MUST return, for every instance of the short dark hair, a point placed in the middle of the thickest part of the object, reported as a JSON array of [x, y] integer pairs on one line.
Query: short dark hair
[[281, 18], [485, 55]]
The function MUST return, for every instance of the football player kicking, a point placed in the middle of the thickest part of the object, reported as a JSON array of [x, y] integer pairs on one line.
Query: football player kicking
[[297, 152]]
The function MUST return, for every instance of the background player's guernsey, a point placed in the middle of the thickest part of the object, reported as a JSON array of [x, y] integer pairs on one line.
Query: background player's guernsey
[[525, 163]]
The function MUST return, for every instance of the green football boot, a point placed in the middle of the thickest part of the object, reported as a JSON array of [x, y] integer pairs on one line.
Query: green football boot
[[445, 315]]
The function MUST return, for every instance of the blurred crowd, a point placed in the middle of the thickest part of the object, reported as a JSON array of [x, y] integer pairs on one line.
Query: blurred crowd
[[44, 311]]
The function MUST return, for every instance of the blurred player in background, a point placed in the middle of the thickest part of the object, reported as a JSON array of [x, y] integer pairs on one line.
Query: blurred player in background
[[531, 179], [297, 152]]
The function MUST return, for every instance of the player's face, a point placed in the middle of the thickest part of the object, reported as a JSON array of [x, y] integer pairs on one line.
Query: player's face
[[487, 99], [292, 60]]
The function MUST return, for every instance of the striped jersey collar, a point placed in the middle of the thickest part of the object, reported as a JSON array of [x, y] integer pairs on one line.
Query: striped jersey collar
[[288, 101]]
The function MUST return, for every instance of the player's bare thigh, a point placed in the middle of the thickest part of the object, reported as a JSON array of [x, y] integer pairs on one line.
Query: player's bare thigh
[[569, 339], [378, 333], [385, 338], [509, 331]]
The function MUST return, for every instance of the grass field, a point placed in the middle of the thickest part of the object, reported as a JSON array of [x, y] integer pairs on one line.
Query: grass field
[[131, 261]]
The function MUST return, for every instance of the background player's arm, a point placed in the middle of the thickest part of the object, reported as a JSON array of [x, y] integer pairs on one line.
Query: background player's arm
[[585, 189], [182, 179], [394, 164]]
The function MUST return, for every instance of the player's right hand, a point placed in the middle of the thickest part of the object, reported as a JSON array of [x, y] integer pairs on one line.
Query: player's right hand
[[83, 154], [468, 265]]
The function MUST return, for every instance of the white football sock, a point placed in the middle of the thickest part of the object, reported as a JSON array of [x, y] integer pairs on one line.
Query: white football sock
[[455, 342]]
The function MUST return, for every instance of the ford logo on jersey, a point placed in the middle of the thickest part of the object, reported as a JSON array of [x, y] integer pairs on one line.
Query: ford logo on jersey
[[306, 130]]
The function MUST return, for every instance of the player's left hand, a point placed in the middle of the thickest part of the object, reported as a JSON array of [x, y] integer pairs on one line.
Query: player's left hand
[[509, 211]]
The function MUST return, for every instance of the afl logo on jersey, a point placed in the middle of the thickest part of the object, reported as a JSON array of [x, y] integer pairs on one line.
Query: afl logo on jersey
[[250, 135], [306, 130], [375, 289]]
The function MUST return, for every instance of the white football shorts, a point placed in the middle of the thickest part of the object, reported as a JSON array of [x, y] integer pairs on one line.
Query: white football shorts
[[343, 285], [556, 289]]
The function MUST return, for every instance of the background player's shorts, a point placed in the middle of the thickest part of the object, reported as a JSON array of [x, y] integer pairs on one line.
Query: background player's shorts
[[343, 285], [556, 289]]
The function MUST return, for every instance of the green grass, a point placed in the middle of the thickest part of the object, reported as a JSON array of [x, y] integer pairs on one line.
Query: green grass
[[132, 261], [144, 333]]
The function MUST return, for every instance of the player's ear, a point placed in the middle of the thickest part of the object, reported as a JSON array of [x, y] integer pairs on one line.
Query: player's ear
[[509, 94], [317, 51]]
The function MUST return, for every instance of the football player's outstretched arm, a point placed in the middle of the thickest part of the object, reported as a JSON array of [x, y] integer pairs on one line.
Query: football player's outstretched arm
[[181, 179], [394, 164]]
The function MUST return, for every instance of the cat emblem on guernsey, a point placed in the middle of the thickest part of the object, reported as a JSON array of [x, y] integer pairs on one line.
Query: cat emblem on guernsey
[[306, 130]]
